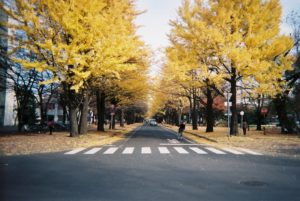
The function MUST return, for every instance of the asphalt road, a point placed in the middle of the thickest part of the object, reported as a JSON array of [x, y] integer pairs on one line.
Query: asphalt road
[[150, 165]]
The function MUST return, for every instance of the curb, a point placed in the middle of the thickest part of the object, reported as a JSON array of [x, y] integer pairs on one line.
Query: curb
[[197, 135], [201, 136]]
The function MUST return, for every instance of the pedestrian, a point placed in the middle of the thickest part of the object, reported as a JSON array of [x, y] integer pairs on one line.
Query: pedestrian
[[50, 125], [180, 130], [245, 127]]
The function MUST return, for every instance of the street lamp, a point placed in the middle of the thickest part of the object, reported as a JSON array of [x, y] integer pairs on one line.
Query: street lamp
[[228, 110], [242, 114]]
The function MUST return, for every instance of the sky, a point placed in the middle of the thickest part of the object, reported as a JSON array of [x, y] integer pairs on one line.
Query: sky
[[154, 23]]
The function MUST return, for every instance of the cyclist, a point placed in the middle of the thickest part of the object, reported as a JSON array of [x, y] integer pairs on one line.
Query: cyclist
[[180, 130]]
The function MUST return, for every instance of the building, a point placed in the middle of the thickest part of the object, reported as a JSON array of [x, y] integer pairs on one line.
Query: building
[[7, 97]]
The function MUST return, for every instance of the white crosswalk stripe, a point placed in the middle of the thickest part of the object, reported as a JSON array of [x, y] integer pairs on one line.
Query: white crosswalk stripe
[[93, 151], [111, 150], [75, 151], [233, 151], [250, 151], [163, 150], [181, 150], [197, 150], [216, 151], [146, 150], [128, 150]]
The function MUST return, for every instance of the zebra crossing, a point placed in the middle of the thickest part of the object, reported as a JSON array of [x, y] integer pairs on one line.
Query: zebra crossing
[[162, 150]]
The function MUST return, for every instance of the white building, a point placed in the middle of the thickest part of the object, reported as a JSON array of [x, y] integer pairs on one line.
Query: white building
[[7, 96]]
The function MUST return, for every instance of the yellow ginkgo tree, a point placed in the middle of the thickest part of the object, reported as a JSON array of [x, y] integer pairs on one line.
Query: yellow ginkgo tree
[[243, 43], [75, 40]]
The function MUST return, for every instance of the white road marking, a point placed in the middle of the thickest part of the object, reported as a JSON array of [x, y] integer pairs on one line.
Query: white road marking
[[165, 144], [216, 151], [128, 150], [173, 141], [146, 150], [93, 151], [248, 151], [111, 150], [181, 150], [163, 150], [197, 150], [75, 151], [233, 151]]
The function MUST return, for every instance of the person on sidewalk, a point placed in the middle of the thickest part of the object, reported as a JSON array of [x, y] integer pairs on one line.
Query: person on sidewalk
[[180, 130], [245, 127], [50, 125]]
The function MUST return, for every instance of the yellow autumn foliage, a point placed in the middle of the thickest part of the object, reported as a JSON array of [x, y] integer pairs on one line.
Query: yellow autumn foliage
[[77, 40], [228, 41]]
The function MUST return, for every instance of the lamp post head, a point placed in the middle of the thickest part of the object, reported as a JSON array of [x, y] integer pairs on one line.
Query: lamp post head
[[242, 113]]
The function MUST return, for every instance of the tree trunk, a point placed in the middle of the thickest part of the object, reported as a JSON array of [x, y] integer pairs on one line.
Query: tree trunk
[[168, 119], [42, 112], [258, 114], [122, 118], [234, 117], [194, 112], [179, 115], [21, 109], [259, 120], [73, 109], [64, 114], [73, 122], [209, 111], [83, 127], [100, 110], [114, 122], [190, 111], [173, 118], [280, 103], [20, 120]]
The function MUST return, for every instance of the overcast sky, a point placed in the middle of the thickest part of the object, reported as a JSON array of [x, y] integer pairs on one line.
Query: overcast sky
[[155, 22]]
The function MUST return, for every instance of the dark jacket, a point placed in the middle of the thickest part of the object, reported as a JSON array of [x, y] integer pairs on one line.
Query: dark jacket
[[181, 127]]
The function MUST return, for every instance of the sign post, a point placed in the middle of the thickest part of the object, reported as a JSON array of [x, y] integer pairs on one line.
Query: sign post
[[264, 111]]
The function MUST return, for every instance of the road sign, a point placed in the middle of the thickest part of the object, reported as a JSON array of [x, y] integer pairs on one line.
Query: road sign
[[263, 111], [230, 104]]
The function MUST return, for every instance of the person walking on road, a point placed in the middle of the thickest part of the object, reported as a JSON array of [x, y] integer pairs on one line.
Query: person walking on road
[[180, 130], [245, 127]]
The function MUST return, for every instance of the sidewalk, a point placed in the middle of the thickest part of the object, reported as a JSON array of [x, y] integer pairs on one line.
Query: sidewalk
[[270, 144], [33, 143]]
